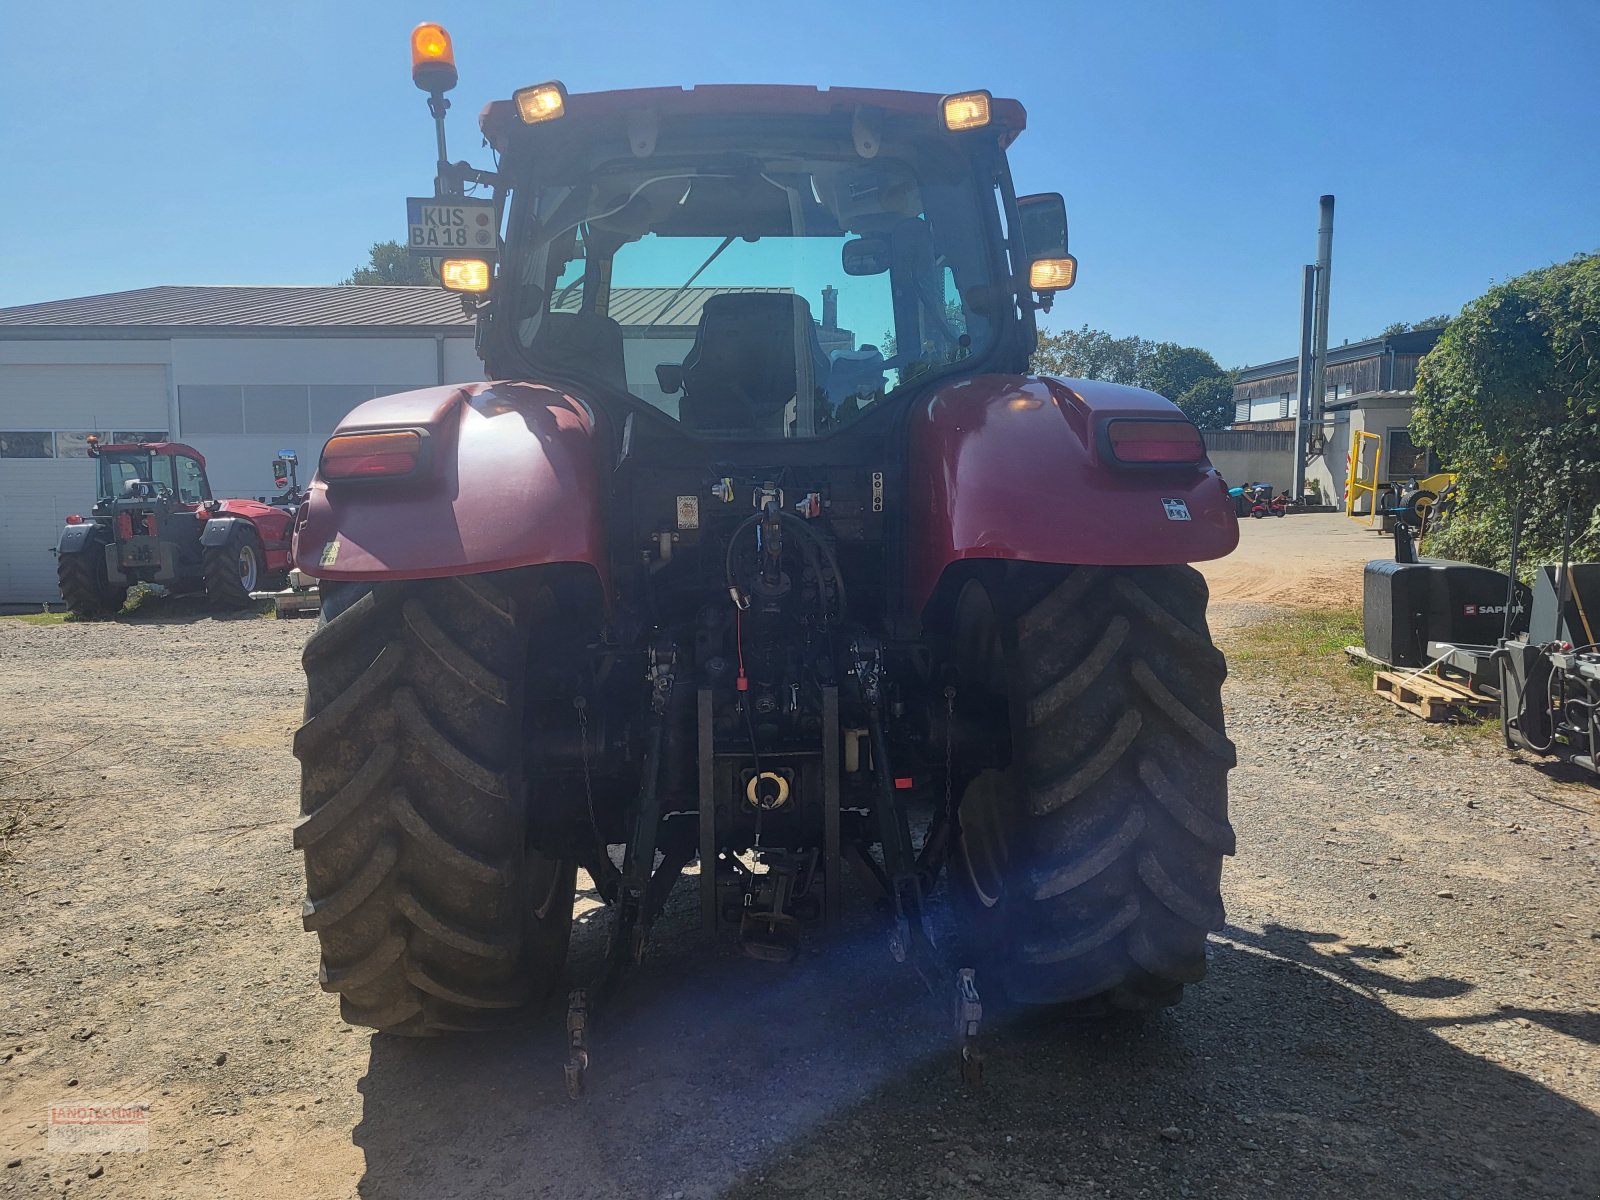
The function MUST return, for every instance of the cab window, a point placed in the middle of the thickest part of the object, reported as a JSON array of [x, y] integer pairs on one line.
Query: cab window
[[192, 487], [161, 473]]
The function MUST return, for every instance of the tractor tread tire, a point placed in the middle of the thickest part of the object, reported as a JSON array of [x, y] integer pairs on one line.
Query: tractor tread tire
[[82, 579], [219, 568], [1111, 821], [433, 915]]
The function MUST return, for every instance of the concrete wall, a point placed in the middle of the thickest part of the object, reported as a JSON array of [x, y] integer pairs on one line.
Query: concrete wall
[[1252, 456]]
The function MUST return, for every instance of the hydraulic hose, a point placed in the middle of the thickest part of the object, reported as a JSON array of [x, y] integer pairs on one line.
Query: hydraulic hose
[[814, 539]]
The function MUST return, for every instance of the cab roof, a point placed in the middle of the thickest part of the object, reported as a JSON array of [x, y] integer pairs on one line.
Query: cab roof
[[500, 122], [153, 448]]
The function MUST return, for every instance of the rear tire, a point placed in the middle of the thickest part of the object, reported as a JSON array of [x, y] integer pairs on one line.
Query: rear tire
[[1091, 866], [85, 586], [234, 569], [433, 910]]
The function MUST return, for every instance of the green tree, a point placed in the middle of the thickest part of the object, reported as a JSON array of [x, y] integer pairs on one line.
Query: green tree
[[1092, 354], [1208, 402], [392, 263], [1510, 397], [1434, 322], [1172, 369]]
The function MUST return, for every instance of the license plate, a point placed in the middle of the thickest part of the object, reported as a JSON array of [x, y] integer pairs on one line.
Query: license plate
[[140, 552], [439, 228]]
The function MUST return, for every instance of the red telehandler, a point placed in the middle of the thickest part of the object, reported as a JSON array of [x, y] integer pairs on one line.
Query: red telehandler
[[154, 521]]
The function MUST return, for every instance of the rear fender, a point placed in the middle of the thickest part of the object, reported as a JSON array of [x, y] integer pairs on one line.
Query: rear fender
[[74, 538], [1018, 468], [510, 478], [218, 529], [272, 527]]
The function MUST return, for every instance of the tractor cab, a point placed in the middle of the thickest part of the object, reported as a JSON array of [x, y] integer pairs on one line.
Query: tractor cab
[[150, 470], [753, 263]]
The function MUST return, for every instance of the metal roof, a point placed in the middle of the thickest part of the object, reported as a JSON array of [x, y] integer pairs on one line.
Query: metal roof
[[666, 307], [307, 311], [1415, 341], [239, 307]]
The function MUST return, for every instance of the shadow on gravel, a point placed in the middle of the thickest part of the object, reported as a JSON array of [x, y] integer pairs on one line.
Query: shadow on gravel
[[1583, 1026], [716, 1076], [1344, 959]]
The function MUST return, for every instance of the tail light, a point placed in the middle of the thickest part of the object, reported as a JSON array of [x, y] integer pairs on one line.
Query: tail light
[[1160, 442], [75, 519], [382, 455]]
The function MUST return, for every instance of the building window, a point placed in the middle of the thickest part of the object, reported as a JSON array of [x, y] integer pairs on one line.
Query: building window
[[27, 444], [1405, 459], [1241, 411], [278, 409], [148, 435], [209, 410], [1283, 406]]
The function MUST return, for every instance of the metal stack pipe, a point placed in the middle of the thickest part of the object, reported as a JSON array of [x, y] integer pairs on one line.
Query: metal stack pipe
[[1302, 408], [1319, 369]]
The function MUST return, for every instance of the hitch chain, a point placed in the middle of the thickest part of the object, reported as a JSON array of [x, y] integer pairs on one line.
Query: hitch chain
[[626, 944], [969, 1006]]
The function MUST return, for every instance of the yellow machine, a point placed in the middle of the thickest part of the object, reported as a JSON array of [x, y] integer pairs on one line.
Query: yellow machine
[[1362, 473], [1411, 500]]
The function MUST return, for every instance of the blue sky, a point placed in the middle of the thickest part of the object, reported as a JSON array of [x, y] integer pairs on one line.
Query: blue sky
[[273, 143]]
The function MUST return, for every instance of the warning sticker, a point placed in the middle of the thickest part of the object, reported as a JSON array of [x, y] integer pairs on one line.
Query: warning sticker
[[1177, 510], [330, 553]]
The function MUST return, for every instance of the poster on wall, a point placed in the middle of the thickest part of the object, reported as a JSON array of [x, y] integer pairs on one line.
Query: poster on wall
[[72, 444]]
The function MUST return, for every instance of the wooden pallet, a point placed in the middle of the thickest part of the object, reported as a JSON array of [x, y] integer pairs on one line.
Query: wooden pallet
[[1430, 697], [291, 602]]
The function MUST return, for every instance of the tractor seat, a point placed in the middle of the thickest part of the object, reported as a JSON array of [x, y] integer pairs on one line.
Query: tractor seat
[[740, 373]]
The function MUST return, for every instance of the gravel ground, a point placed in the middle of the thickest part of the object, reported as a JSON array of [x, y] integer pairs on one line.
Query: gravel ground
[[1403, 1003]]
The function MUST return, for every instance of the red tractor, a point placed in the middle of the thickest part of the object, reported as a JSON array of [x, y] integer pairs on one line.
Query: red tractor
[[154, 521], [765, 594]]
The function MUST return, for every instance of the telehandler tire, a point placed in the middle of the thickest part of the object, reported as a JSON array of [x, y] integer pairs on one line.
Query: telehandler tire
[[433, 911], [1090, 867], [85, 587], [233, 570]]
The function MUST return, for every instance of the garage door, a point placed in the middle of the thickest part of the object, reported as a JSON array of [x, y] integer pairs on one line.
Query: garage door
[[45, 411]]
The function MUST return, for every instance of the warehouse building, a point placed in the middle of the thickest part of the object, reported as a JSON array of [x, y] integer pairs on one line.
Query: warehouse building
[[239, 373], [1370, 388]]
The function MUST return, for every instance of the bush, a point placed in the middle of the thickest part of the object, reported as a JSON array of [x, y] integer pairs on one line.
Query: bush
[[1510, 396]]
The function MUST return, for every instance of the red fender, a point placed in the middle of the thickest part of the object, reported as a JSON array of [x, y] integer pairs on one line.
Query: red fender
[[509, 479], [1012, 467], [272, 527]]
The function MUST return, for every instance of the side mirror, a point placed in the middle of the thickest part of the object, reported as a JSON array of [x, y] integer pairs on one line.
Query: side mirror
[[670, 377], [1042, 223], [865, 256]]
